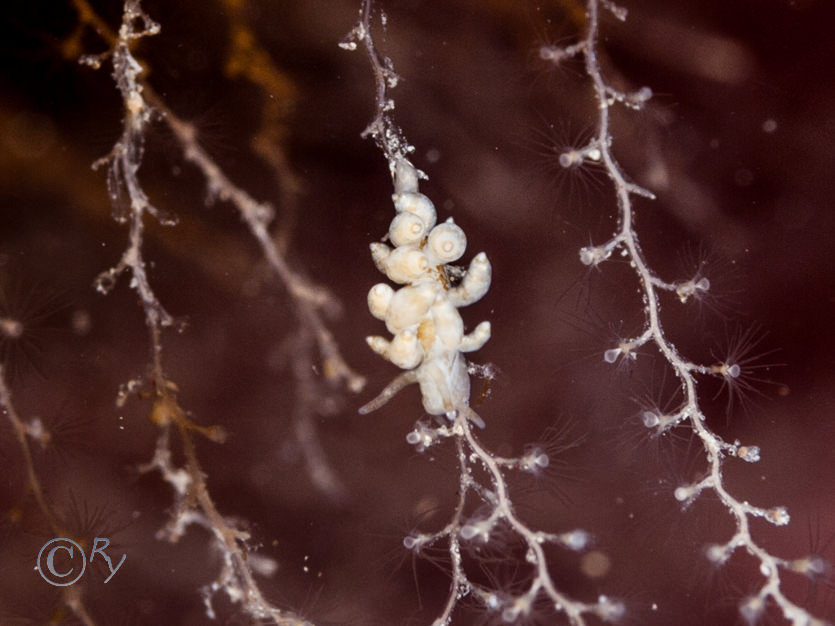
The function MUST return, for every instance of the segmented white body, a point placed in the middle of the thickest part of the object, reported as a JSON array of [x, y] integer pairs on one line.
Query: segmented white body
[[422, 315]]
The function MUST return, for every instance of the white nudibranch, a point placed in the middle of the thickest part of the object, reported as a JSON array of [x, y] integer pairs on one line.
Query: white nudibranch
[[422, 315]]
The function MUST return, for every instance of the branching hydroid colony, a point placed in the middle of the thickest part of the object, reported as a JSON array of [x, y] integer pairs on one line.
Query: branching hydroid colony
[[429, 342], [688, 411], [240, 185], [71, 596], [193, 502]]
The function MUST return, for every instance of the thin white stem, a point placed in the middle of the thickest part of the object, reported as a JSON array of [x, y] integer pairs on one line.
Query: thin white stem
[[715, 448]]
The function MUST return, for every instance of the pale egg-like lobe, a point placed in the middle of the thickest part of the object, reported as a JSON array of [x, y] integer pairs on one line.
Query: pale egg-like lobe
[[406, 229]]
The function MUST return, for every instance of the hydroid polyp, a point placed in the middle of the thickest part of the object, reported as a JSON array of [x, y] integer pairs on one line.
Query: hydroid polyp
[[745, 367], [27, 312]]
